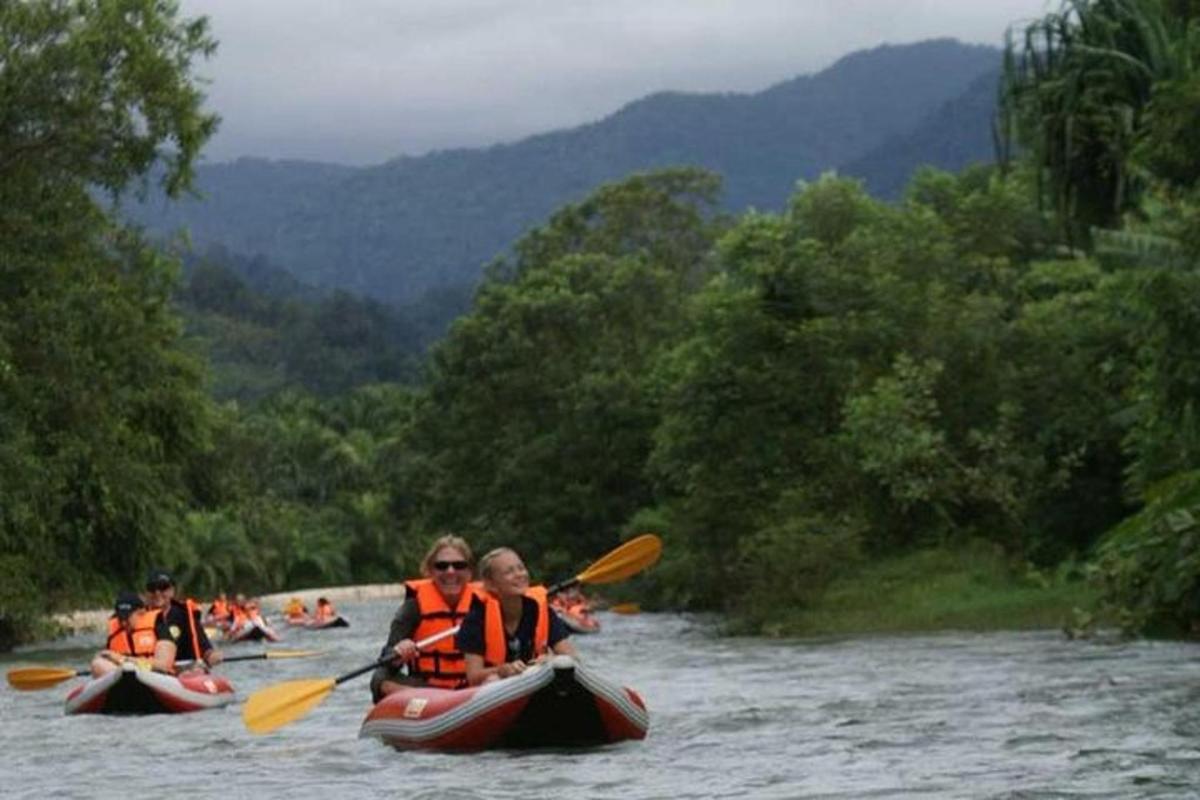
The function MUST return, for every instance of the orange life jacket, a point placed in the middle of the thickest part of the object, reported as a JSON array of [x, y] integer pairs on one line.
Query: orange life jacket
[[325, 612], [139, 640], [441, 664], [237, 617], [219, 609], [495, 640]]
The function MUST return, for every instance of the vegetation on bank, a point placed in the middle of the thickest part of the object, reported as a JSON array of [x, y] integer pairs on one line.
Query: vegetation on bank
[[966, 588], [962, 395]]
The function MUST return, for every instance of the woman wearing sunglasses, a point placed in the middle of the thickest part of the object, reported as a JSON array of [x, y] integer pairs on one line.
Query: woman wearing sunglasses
[[510, 624], [432, 604]]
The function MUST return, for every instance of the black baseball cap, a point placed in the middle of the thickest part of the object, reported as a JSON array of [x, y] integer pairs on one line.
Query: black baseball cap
[[127, 603], [159, 577]]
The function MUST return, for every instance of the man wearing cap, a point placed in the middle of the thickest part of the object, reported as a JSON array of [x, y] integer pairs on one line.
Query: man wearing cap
[[179, 627], [131, 632]]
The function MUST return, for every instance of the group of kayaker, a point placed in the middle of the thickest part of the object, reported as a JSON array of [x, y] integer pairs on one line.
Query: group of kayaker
[[155, 626], [503, 623], [240, 619], [296, 613], [490, 629], [575, 610]]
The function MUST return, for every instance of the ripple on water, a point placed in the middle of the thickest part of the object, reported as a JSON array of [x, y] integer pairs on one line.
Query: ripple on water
[[1008, 715]]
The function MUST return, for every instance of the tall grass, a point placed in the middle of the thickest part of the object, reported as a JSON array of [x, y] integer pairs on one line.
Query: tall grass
[[972, 587]]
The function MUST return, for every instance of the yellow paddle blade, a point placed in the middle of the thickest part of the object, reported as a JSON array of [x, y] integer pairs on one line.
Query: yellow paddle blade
[[275, 706], [626, 608], [34, 679], [293, 653], [628, 559]]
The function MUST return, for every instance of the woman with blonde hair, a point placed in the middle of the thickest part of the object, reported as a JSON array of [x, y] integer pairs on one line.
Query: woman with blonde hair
[[510, 624], [432, 604]]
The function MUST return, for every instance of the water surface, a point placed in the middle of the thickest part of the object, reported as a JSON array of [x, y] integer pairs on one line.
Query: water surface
[[1003, 715]]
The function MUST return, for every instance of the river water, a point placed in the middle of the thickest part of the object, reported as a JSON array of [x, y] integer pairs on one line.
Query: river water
[[1001, 715]]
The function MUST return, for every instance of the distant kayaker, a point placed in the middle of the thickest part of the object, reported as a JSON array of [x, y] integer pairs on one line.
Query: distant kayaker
[[130, 633], [510, 624], [218, 612], [295, 612], [249, 625], [179, 626], [325, 610], [432, 605]]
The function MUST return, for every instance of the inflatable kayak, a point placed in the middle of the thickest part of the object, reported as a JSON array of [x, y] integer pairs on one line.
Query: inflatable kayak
[[332, 622], [140, 690], [559, 703], [251, 632], [579, 623]]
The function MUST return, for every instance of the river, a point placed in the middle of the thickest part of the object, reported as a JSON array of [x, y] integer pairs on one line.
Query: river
[[954, 715]]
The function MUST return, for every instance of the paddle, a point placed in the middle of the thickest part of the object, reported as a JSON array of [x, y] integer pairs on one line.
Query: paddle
[[35, 679], [627, 560], [273, 654], [276, 706]]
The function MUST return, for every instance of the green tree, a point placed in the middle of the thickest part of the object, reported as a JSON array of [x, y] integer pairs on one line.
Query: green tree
[[535, 424], [1078, 96], [103, 415]]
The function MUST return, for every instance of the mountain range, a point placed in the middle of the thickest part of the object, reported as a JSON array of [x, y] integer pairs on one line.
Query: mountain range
[[419, 224]]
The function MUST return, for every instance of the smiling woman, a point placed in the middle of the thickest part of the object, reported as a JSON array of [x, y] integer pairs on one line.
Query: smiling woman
[[433, 604], [511, 624]]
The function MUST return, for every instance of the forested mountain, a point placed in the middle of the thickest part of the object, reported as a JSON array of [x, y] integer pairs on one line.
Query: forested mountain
[[954, 136], [262, 331], [397, 230]]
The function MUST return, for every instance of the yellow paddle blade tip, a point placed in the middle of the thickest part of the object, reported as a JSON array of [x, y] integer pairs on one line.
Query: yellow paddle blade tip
[[294, 653], [627, 560], [276, 706], [33, 679]]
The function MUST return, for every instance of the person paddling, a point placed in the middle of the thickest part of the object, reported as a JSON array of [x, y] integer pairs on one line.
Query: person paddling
[[249, 624], [510, 624], [179, 626], [325, 611], [218, 613], [432, 604], [295, 612], [131, 632]]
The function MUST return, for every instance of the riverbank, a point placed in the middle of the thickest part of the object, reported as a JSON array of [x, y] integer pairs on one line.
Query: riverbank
[[92, 620], [971, 588]]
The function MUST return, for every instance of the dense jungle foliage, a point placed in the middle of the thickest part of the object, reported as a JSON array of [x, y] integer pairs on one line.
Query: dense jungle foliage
[[1004, 356]]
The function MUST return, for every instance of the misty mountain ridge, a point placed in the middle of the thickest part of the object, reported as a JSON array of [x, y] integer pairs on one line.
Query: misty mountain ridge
[[416, 224]]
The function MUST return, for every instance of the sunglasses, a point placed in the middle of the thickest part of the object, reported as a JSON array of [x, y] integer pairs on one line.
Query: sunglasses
[[158, 587], [442, 566]]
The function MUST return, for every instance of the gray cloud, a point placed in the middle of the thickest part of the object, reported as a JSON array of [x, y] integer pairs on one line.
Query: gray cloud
[[360, 82]]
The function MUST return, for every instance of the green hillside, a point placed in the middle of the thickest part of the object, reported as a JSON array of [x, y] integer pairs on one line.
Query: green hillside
[[397, 230]]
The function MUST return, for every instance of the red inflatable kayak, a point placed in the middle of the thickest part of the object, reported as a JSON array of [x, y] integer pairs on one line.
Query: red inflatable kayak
[[579, 623], [559, 703], [140, 690]]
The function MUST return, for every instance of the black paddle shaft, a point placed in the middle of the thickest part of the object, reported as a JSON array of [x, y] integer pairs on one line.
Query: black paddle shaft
[[363, 670], [559, 587]]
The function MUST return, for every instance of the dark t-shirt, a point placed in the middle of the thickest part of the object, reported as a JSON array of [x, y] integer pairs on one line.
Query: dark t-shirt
[[173, 625], [520, 644], [404, 625]]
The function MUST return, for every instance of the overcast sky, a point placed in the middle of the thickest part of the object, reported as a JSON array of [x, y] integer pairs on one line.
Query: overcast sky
[[362, 81]]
